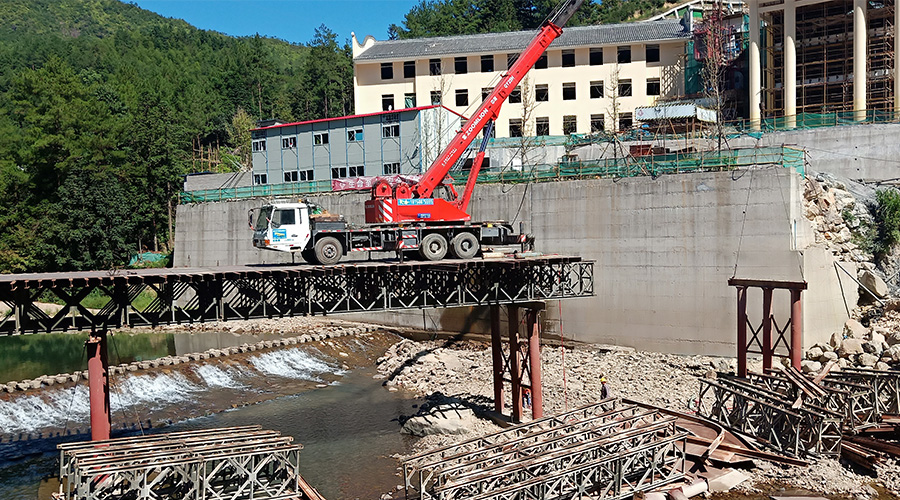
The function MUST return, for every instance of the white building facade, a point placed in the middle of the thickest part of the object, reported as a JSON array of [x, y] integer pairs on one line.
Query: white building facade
[[591, 78]]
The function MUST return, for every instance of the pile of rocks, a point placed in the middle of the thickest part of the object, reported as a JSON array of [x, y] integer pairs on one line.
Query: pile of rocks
[[875, 347], [836, 216]]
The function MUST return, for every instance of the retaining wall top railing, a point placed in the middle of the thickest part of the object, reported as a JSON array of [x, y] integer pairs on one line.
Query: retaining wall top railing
[[630, 166]]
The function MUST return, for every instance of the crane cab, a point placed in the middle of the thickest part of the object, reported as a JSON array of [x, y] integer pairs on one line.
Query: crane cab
[[283, 227]]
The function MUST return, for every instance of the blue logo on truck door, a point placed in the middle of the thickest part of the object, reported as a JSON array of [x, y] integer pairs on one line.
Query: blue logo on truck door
[[279, 234]]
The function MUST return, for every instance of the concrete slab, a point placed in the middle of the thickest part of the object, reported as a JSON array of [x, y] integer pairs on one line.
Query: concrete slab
[[724, 480]]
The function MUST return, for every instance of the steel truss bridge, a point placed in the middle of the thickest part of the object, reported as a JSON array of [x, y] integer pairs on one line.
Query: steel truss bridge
[[603, 450], [187, 295]]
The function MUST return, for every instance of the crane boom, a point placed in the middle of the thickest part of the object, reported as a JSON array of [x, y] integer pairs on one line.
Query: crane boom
[[490, 108]]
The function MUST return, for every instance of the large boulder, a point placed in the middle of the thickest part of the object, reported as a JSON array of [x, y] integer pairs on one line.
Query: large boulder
[[849, 347], [867, 359], [444, 419], [814, 353], [894, 353], [874, 283], [854, 329], [828, 356], [809, 366]]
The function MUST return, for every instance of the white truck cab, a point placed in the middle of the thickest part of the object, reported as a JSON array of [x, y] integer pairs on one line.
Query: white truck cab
[[283, 227]]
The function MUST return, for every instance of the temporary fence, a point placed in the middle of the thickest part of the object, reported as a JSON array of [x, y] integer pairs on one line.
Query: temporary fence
[[630, 166]]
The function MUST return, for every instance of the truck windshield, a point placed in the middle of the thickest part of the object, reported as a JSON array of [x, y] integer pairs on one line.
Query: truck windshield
[[262, 222]]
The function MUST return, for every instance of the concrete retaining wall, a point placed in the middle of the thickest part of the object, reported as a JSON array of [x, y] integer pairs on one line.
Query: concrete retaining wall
[[664, 249]]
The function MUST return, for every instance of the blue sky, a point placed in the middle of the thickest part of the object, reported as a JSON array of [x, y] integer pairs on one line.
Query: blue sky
[[291, 20]]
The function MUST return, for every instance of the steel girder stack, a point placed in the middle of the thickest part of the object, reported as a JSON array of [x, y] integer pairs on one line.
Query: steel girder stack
[[594, 451]]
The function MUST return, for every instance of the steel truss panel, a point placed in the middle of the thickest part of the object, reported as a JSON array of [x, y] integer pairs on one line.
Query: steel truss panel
[[243, 292], [884, 387], [761, 413], [595, 450], [238, 463]]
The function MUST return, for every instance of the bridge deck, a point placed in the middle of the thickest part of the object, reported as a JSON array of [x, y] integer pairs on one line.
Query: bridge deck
[[185, 295]]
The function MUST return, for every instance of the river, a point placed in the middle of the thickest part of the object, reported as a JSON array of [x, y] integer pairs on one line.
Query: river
[[324, 394]]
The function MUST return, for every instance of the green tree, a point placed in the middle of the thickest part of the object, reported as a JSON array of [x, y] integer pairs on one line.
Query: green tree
[[329, 75]]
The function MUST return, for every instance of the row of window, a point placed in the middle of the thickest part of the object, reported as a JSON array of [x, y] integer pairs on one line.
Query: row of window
[[597, 90], [336, 173], [570, 124], [321, 138], [461, 64]]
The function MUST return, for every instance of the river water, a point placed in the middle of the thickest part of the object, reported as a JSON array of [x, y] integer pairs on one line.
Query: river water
[[324, 394]]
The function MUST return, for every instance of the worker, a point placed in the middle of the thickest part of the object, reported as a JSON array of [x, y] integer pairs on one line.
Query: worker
[[605, 389], [526, 397]]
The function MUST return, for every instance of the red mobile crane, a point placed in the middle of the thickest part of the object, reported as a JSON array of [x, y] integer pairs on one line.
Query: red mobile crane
[[407, 217], [405, 203]]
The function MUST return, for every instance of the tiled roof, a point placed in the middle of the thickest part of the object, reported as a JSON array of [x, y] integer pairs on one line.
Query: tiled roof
[[515, 41]]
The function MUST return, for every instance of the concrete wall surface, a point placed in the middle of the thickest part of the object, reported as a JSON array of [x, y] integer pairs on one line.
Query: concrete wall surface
[[663, 248], [858, 152]]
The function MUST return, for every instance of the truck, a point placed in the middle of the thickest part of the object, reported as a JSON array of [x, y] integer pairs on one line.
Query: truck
[[407, 217]]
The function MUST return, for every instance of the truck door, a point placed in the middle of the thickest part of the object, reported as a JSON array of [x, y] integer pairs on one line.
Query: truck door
[[290, 229]]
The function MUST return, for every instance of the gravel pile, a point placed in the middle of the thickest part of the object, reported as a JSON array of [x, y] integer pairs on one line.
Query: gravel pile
[[571, 378]]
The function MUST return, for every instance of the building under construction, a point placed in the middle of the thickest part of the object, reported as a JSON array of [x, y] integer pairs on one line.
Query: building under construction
[[811, 57]]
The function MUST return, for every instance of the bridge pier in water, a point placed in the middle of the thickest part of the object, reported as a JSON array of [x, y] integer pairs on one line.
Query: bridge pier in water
[[523, 362]]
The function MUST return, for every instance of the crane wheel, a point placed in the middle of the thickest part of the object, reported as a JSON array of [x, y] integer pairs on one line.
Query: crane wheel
[[328, 251], [464, 246], [309, 256], [433, 247]]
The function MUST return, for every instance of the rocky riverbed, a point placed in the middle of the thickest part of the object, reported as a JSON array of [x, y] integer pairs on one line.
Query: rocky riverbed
[[460, 372]]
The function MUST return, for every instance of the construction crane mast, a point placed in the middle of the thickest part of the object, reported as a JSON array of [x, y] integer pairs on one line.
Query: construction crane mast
[[404, 203]]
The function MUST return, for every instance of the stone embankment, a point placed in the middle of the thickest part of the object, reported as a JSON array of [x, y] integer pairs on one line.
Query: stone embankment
[[314, 330]]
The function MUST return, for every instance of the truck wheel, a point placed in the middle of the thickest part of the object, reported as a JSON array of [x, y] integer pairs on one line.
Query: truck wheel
[[464, 246], [328, 250], [433, 247], [309, 256]]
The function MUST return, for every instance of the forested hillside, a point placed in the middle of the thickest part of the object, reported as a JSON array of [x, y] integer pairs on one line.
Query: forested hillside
[[103, 106], [466, 17]]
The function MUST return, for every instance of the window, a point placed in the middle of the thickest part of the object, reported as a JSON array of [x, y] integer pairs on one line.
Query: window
[[653, 53], [485, 92], [291, 176], [259, 145], [569, 91], [597, 123], [320, 139], [542, 126], [355, 135], [624, 88], [434, 66], [487, 64], [358, 171], [596, 57], [409, 69], [306, 175], [260, 179], [289, 143], [391, 169], [338, 172], [515, 96], [568, 59], [625, 121], [511, 59], [515, 127], [435, 97], [462, 97], [460, 65], [390, 130], [409, 100], [624, 54], [387, 71], [653, 86], [596, 90], [541, 93], [387, 102], [285, 216], [541, 63], [570, 124]]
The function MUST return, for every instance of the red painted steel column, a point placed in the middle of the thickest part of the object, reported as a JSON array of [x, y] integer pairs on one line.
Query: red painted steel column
[[497, 356], [767, 328], [796, 329], [515, 371], [742, 331], [98, 384], [534, 357]]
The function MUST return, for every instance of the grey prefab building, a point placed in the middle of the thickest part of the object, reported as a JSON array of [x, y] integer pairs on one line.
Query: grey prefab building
[[404, 141]]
